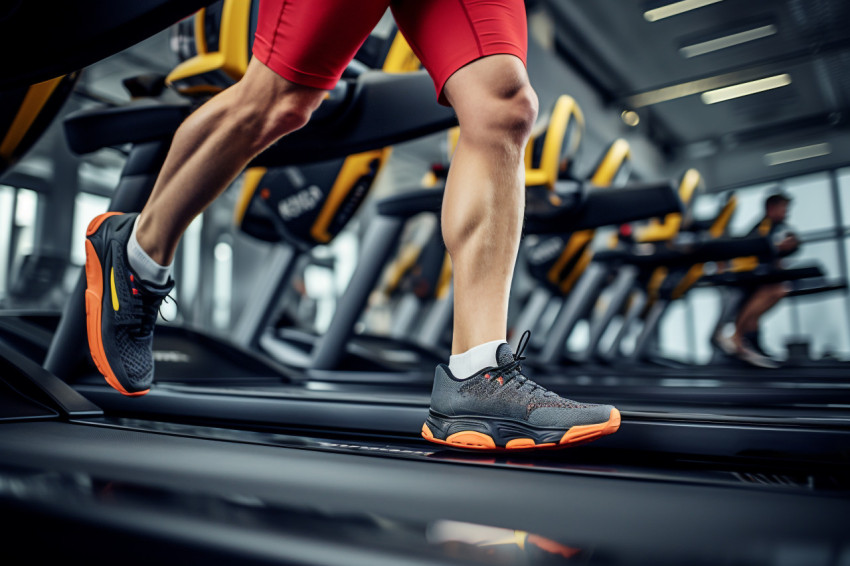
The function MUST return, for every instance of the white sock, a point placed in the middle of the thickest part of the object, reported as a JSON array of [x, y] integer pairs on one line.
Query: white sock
[[474, 360], [145, 267]]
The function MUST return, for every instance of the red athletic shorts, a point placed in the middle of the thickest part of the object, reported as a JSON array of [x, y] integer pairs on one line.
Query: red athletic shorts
[[310, 42]]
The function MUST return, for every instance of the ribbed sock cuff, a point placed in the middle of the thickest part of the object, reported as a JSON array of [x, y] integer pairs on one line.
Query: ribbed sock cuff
[[474, 360], [143, 265]]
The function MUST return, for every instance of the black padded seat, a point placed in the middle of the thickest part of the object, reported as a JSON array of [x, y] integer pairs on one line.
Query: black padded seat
[[764, 275], [90, 130], [590, 208], [602, 207], [817, 286], [73, 35], [26, 112], [716, 249]]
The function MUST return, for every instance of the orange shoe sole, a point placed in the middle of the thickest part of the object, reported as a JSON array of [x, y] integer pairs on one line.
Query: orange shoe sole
[[470, 439], [94, 304]]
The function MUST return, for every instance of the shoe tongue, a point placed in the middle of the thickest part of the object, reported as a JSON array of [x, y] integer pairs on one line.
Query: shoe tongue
[[504, 355]]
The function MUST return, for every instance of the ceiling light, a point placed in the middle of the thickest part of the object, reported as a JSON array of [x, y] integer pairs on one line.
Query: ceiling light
[[710, 46], [746, 89], [630, 118], [797, 154], [675, 9], [682, 90]]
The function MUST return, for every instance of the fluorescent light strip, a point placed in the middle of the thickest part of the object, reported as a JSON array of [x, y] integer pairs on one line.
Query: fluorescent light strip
[[797, 154], [710, 46], [746, 89], [686, 89], [675, 9]]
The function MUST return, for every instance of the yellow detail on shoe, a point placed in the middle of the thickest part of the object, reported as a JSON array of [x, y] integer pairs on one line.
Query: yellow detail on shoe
[[112, 287]]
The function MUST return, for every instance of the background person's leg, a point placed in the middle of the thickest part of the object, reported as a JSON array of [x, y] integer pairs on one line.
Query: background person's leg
[[764, 299], [742, 342]]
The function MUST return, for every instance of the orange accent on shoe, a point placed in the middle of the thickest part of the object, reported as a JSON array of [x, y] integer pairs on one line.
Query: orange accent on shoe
[[586, 433], [501, 380], [552, 547], [526, 444], [576, 435], [98, 220], [94, 301], [426, 432], [471, 439]]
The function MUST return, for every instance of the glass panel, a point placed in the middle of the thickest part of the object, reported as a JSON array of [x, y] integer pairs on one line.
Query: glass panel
[[750, 208], [812, 208], [25, 219], [823, 323], [706, 206], [86, 207], [7, 199], [844, 192], [187, 288], [705, 305], [824, 253], [673, 333], [775, 329], [222, 285]]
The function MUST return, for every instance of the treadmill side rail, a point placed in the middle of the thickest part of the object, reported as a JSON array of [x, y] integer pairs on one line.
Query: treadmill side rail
[[68, 401]]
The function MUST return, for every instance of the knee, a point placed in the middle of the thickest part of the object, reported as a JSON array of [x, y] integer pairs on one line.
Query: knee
[[505, 116], [779, 292], [522, 114], [287, 116], [262, 120], [773, 293], [269, 123]]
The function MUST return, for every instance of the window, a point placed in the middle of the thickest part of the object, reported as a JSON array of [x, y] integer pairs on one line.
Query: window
[[222, 284], [86, 207], [844, 194], [812, 208], [750, 208], [822, 253], [7, 201]]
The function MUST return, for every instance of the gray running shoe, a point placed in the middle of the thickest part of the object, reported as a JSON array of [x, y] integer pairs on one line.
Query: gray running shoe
[[121, 310], [499, 408]]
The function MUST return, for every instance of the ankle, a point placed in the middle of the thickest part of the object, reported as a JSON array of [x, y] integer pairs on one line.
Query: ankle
[[149, 239], [146, 267]]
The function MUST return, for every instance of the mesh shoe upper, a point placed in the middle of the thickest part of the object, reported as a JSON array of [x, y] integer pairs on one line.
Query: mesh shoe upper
[[134, 322], [129, 307], [504, 392]]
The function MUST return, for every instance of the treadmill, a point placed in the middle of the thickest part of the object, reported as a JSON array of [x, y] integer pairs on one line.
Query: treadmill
[[99, 486], [108, 488], [204, 380]]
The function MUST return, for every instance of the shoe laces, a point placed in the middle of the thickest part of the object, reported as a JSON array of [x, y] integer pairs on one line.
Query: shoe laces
[[512, 371], [144, 309]]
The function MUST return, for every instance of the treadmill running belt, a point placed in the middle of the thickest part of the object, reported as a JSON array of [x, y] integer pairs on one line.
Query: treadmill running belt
[[267, 503]]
